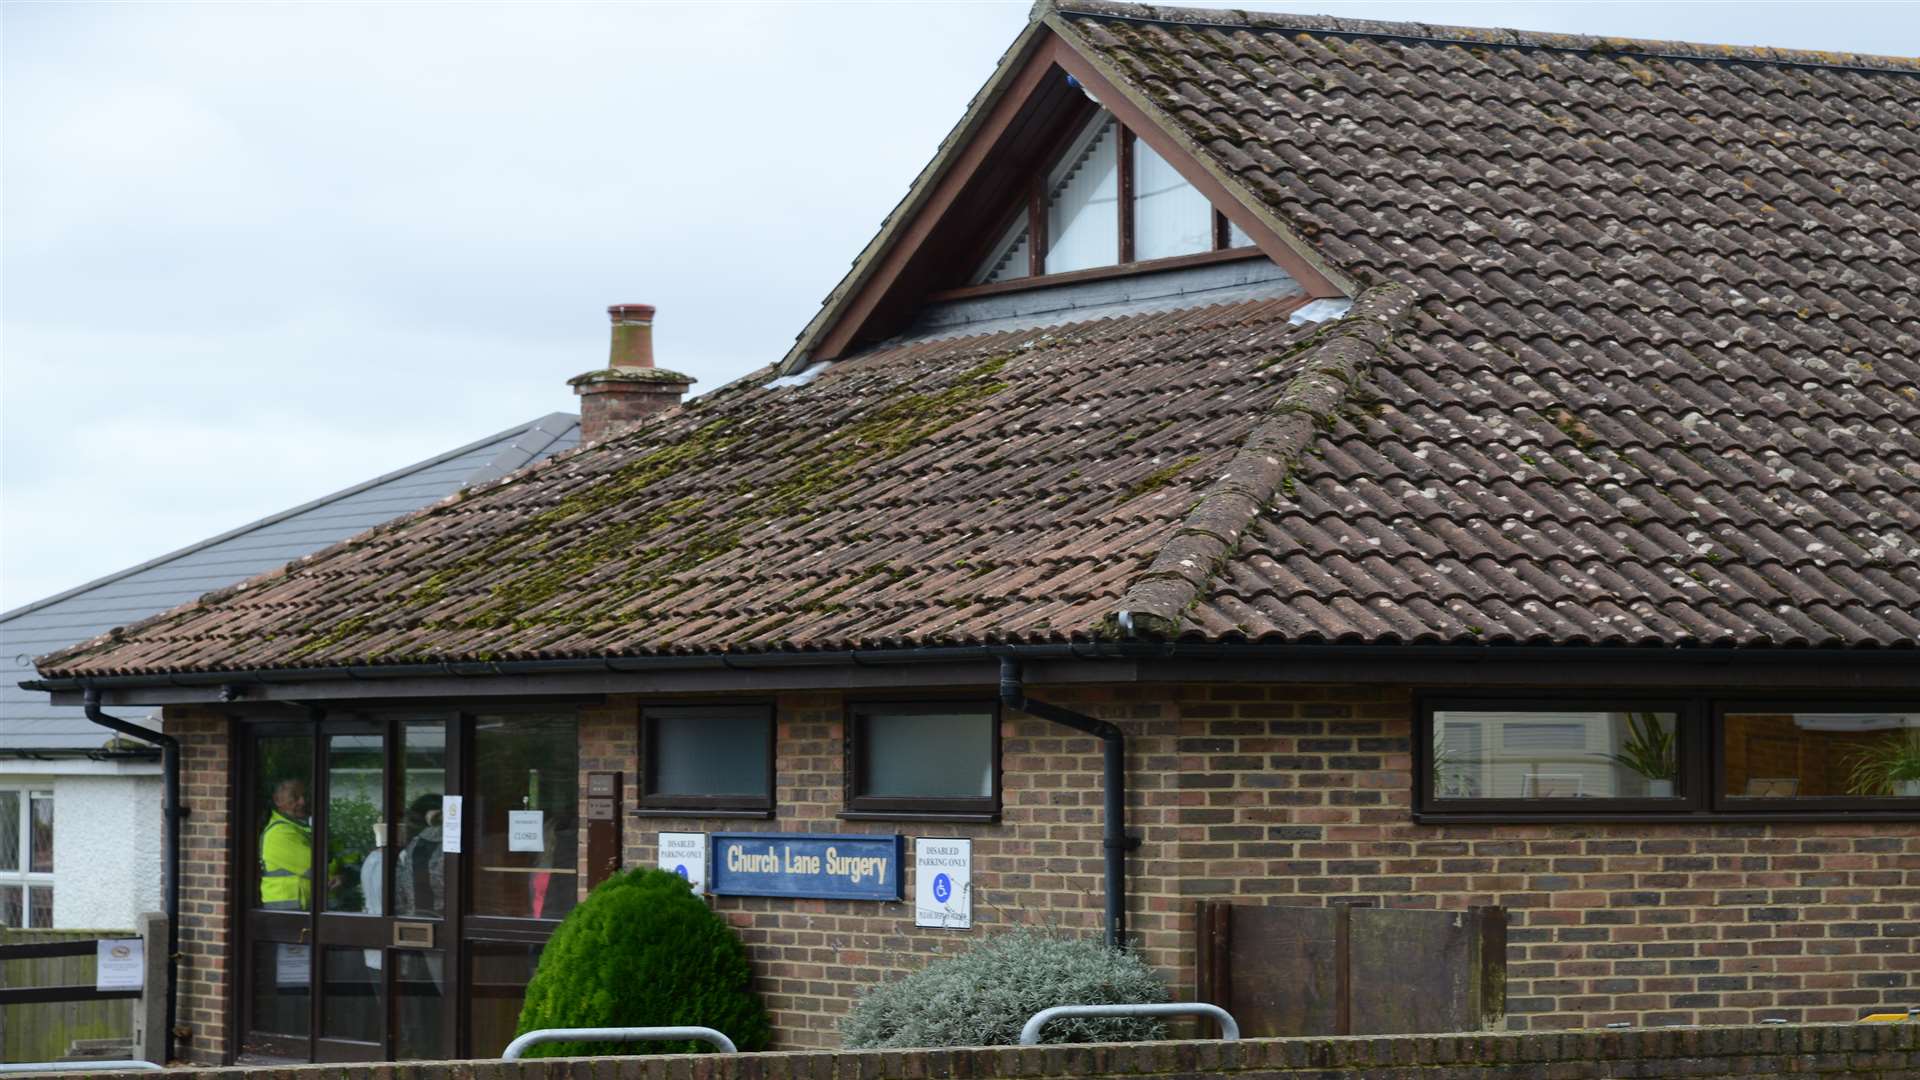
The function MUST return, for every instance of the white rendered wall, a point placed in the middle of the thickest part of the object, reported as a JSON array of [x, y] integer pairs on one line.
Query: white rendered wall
[[106, 848]]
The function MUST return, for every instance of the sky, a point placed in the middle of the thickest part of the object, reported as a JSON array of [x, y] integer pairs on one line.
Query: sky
[[254, 253]]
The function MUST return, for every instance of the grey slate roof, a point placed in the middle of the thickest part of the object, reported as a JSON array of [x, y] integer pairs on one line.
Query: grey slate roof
[[28, 722]]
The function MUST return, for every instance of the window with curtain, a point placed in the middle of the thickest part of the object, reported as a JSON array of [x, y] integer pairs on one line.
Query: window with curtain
[[1107, 198], [1083, 191], [1170, 217]]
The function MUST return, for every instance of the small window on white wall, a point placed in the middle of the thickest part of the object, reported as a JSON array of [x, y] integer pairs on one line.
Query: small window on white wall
[[26, 858]]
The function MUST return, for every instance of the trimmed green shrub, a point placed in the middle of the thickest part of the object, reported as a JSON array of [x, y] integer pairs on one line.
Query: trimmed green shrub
[[982, 997], [642, 951]]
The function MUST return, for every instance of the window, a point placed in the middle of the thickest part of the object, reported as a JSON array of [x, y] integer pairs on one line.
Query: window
[[1800, 757], [1106, 199], [1694, 756], [707, 759], [1502, 755], [26, 858], [939, 759]]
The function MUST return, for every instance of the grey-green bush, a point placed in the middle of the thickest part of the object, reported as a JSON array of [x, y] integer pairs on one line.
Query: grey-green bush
[[982, 997]]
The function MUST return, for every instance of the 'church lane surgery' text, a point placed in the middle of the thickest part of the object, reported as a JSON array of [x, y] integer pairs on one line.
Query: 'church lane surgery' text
[[854, 869]]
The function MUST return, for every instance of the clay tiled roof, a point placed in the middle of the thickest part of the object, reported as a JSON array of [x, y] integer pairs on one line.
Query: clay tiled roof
[[1654, 379], [1009, 486], [1668, 386]]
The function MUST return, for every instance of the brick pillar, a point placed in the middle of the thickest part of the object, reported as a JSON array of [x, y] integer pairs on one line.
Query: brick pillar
[[206, 963]]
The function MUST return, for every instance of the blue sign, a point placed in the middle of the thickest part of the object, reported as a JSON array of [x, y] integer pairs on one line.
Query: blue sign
[[942, 887], [813, 865]]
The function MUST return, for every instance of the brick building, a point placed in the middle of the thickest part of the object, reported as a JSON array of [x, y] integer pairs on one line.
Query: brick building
[[1448, 467]]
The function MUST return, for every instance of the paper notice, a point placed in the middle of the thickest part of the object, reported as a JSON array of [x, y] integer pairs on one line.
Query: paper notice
[[526, 830], [120, 964], [452, 824]]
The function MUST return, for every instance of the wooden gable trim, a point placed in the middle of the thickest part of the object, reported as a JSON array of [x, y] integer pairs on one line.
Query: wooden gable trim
[[1098, 273], [1048, 44], [1048, 54], [1027, 61]]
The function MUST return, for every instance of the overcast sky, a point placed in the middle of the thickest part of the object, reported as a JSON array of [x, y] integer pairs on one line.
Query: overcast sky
[[251, 254]]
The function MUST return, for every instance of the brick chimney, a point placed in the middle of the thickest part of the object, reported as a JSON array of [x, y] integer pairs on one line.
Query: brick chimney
[[629, 389]]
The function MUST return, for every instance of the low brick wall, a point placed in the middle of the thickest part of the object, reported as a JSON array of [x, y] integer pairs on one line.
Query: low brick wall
[[1880, 1051]]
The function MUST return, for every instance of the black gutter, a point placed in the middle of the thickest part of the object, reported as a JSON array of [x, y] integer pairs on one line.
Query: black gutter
[[170, 766], [1113, 743], [1172, 650]]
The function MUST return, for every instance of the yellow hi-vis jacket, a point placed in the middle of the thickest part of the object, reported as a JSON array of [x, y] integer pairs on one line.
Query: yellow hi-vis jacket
[[286, 864]]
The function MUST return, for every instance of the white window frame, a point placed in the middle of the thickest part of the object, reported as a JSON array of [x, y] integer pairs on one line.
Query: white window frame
[[23, 876]]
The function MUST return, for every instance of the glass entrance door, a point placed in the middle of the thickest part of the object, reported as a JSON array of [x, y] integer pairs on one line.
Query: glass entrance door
[[354, 930], [347, 895], [275, 863]]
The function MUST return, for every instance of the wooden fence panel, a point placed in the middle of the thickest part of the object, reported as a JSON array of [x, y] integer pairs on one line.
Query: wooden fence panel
[[46, 1031], [1341, 970]]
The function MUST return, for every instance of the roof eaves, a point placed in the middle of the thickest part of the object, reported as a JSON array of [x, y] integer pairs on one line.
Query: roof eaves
[[544, 423], [1335, 360]]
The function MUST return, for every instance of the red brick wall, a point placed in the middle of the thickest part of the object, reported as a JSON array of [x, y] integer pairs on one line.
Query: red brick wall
[[1859, 1051], [205, 927], [1305, 796], [1041, 863], [1256, 794]]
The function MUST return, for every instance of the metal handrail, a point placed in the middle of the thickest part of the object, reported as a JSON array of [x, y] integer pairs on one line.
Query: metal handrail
[[1229, 1030], [76, 1066], [623, 1034]]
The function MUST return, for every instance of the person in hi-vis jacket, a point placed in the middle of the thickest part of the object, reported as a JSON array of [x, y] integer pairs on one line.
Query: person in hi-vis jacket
[[286, 850]]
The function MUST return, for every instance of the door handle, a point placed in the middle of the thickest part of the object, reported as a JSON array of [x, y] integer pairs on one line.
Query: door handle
[[306, 934]]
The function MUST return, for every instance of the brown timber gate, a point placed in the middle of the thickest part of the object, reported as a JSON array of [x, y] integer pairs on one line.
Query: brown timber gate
[[1346, 970]]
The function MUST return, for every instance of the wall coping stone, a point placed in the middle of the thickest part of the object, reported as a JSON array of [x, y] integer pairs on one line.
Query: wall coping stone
[[1852, 1050]]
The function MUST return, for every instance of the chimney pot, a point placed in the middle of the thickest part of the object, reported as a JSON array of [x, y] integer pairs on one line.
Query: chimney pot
[[629, 389], [632, 336]]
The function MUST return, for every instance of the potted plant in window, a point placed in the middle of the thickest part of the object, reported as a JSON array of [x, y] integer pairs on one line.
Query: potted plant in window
[[1649, 751], [1889, 765]]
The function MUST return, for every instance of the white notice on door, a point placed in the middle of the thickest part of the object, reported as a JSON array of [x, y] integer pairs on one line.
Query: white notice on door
[[450, 824], [526, 830], [685, 853], [293, 965], [120, 964]]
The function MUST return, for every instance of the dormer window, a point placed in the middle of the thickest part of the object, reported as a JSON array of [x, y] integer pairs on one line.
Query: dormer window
[[1106, 199]]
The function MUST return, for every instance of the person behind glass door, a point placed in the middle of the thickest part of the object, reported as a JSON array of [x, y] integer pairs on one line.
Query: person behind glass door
[[286, 850], [420, 875], [419, 886]]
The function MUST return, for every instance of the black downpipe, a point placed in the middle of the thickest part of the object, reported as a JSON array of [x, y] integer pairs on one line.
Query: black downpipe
[[170, 887], [1114, 826]]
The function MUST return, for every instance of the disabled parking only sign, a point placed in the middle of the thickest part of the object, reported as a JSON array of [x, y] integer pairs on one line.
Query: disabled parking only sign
[[685, 854], [942, 886]]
